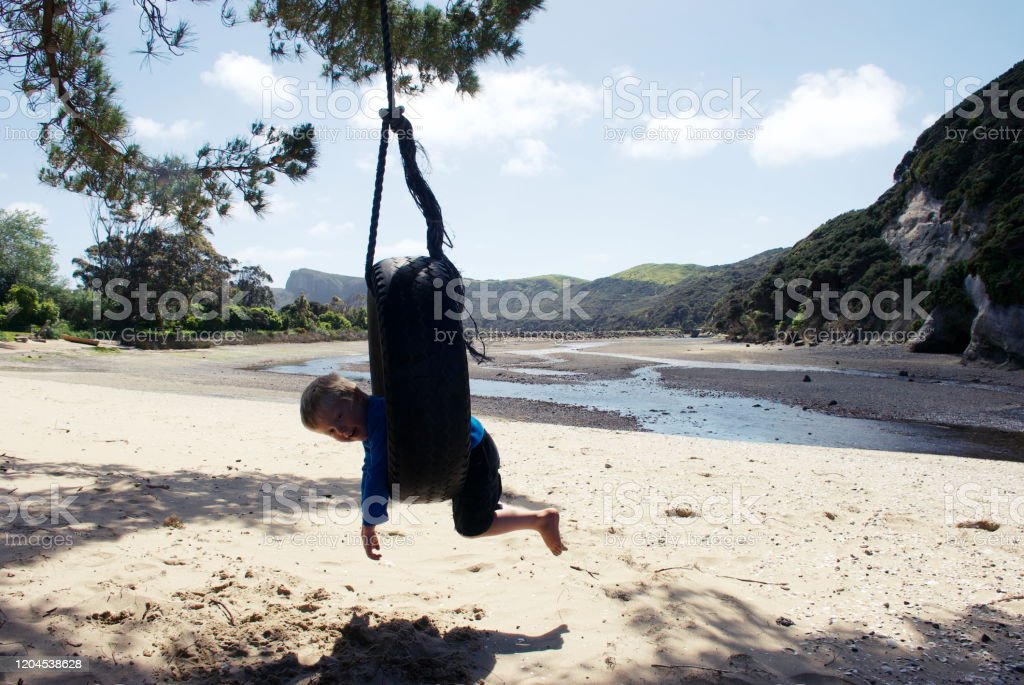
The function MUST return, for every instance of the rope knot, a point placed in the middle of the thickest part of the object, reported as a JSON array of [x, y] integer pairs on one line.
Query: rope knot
[[385, 113]]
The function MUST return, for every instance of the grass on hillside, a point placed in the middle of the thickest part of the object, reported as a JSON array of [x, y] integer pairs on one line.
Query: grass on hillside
[[662, 274]]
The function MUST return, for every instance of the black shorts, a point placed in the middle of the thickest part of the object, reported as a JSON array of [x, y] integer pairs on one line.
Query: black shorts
[[473, 508]]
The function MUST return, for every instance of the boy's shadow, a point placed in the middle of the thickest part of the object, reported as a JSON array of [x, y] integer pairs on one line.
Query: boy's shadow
[[400, 651]]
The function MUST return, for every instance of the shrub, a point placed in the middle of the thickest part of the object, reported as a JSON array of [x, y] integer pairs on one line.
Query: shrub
[[23, 309], [256, 319], [333, 321], [76, 307]]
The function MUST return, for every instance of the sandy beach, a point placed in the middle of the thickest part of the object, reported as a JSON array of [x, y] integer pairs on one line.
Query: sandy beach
[[204, 536]]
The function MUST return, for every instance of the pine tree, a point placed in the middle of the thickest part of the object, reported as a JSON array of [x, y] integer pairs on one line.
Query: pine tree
[[55, 51]]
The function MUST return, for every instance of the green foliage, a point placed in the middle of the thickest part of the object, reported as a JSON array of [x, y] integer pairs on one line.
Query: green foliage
[[165, 261], [357, 316], [974, 173], [263, 319], [26, 253], [24, 308], [662, 274], [299, 314], [438, 45], [76, 307], [847, 253], [103, 349], [48, 312], [1000, 257], [333, 321], [255, 283]]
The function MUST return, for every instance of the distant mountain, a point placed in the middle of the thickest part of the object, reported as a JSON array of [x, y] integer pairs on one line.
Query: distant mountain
[[952, 223], [319, 286], [645, 296]]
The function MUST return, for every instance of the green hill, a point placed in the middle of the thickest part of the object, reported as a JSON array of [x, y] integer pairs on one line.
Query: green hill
[[662, 274]]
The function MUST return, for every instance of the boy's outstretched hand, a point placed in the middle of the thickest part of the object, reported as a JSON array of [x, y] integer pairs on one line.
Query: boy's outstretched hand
[[371, 545]]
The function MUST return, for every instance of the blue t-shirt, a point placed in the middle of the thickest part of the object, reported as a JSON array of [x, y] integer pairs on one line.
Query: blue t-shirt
[[375, 492]]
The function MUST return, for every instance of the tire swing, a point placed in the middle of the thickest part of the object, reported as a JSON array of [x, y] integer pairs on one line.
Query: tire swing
[[417, 358]]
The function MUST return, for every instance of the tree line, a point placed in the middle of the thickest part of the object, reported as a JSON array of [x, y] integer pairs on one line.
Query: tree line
[[141, 277]]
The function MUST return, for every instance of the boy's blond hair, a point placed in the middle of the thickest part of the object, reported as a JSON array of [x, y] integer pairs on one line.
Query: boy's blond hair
[[330, 389]]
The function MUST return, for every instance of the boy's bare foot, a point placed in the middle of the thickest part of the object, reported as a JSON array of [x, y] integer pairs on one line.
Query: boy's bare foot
[[545, 522], [548, 529]]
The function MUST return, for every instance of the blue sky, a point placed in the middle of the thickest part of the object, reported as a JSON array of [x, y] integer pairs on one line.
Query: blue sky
[[759, 122]]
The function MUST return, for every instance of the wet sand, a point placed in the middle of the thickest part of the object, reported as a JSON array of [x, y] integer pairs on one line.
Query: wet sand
[[872, 382]]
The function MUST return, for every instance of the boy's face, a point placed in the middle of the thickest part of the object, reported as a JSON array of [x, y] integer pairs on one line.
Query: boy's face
[[344, 421]]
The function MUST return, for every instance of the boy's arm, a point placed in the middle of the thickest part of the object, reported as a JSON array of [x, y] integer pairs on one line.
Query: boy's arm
[[375, 493]]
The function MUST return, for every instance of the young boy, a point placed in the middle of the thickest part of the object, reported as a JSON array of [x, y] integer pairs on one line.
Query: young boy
[[336, 407]]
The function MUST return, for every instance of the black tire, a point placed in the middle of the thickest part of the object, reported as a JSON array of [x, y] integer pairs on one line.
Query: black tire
[[418, 364]]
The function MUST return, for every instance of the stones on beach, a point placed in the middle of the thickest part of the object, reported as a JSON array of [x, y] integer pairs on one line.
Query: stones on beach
[[833, 403], [807, 379], [784, 622]]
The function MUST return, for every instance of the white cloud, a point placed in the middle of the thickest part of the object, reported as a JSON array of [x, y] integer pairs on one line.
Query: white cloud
[[325, 228], [929, 119], [3, 176], [832, 114], [762, 219], [257, 254], [179, 129], [513, 116], [244, 75], [512, 104], [532, 157], [33, 207]]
